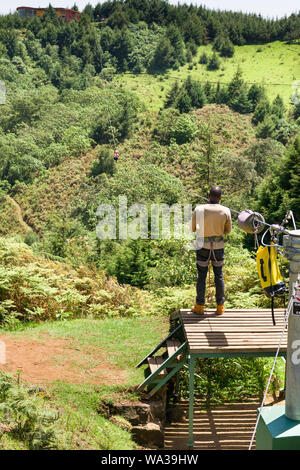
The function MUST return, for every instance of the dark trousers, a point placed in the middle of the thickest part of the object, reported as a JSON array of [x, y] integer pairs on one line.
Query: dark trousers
[[202, 255]]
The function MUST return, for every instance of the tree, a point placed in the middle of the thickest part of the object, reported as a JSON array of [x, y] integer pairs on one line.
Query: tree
[[184, 102], [256, 93], [214, 62], [50, 16], [227, 48], [172, 95], [262, 109], [175, 38], [241, 103], [184, 130], [121, 47], [265, 128], [203, 58], [163, 55], [104, 164], [280, 193], [236, 84], [195, 92], [265, 154], [277, 107]]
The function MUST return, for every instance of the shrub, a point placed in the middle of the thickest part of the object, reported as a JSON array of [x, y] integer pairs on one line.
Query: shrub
[[26, 417], [184, 130], [36, 288], [214, 62], [203, 58], [104, 164]]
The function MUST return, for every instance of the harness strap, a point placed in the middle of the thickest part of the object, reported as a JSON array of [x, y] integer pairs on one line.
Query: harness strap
[[214, 261]]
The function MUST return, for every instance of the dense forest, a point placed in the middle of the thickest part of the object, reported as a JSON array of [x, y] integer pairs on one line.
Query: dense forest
[[62, 101], [69, 107]]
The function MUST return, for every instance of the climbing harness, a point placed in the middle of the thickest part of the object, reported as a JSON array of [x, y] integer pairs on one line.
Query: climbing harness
[[210, 260], [214, 261]]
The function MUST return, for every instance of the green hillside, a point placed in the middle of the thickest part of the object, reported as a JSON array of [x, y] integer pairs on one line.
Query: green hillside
[[275, 65], [189, 98]]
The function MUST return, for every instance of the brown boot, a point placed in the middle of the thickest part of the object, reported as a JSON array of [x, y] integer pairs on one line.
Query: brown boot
[[220, 309], [198, 309]]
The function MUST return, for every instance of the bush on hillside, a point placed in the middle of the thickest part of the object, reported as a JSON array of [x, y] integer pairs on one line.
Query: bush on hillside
[[184, 130], [104, 164], [35, 288]]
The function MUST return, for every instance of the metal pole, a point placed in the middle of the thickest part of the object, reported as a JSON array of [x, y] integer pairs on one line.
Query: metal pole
[[191, 362], [291, 244]]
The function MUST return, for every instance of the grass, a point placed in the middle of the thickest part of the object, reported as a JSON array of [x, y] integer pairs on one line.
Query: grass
[[125, 342], [82, 427], [275, 64]]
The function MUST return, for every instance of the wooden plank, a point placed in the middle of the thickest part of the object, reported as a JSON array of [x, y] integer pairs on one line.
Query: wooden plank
[[235, 348], [172, 346], [215, 319], [154, 363], [256, 310], [237, 331]]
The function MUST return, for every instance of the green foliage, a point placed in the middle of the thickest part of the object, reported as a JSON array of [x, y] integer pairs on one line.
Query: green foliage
[[166, 119], [35, 288], [280, 193], [265, 128], [104, 164], [265, 154], [213, 62], [224, 46], [131, 263], [203, 58], [26, 417], [262, 109], [190, 95], [219, 380], [184, 130]]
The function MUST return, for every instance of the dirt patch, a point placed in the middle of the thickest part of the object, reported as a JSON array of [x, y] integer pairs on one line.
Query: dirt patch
[[59, 359]]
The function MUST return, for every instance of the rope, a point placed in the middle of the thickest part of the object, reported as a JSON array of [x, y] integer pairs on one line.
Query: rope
[[109, 117], [107, 107], [271, 374], [209, 284]]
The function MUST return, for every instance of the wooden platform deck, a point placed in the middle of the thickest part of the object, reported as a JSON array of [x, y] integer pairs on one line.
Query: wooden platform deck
[[238, 332]]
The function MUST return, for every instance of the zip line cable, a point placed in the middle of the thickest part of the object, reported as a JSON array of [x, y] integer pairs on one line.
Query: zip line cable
[[172, 184], [210, 81], [109, 116]]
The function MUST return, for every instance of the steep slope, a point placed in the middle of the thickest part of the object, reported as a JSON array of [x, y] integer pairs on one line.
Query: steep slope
[[56, 191]]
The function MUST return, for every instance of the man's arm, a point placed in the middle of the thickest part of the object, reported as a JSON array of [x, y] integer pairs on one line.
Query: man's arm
[[228, 224]]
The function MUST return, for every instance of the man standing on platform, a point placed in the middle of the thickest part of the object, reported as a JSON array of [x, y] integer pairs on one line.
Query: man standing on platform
[[210, 222]]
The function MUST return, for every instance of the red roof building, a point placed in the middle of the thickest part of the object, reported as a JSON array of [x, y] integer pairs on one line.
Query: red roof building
[[62, 13]]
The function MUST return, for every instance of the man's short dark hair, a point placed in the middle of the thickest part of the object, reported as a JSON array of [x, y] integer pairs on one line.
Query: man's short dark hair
[[215, 193]]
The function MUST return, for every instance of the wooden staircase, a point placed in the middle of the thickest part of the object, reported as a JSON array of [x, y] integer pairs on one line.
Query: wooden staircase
[[161, 368]]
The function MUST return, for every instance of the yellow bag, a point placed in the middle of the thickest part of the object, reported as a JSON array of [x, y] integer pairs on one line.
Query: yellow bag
[[268, 271]]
